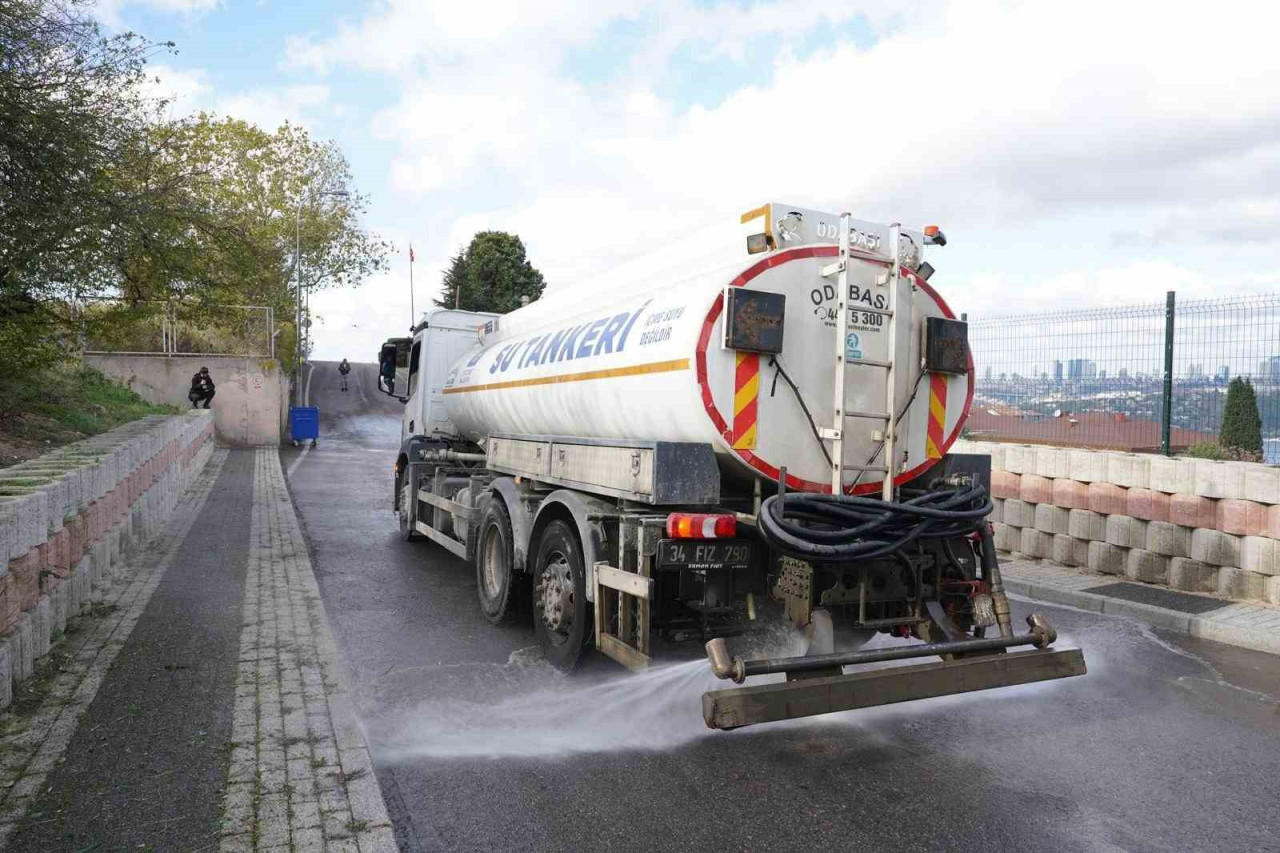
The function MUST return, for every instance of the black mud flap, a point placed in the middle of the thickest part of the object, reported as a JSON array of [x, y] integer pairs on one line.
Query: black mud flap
[[766, 703]]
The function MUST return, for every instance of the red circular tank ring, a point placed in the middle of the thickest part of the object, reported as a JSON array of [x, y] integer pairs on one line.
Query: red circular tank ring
[[708, 401]]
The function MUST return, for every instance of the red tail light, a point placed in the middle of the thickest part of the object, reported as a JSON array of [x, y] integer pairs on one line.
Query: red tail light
[[693, 525]]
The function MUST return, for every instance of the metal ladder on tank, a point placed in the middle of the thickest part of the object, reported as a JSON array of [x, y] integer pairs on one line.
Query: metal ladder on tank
[[887, 434]]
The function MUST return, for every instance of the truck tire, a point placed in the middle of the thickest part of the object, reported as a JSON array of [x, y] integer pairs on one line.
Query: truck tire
[[404, 515], [498, 585], [561, 615]]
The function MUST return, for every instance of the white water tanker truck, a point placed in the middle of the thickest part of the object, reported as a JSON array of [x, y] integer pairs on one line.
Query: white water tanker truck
[[692, 456]]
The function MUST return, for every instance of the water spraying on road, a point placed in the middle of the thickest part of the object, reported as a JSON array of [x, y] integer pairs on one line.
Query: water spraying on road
[[525, 708], [657, 709]]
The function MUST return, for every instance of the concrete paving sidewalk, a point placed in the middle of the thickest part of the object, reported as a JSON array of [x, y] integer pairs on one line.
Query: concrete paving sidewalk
[[1250, 625], [202, 705]]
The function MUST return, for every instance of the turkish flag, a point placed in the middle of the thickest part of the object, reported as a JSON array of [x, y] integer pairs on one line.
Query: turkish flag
[[410, 253]]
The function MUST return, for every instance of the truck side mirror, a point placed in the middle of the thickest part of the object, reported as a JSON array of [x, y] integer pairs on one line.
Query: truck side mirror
[[388, 358]]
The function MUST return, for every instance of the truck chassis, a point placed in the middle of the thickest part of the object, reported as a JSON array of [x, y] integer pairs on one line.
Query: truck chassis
[[580, 530]]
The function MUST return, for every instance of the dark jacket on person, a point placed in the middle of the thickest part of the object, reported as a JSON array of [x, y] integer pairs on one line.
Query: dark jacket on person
[[201, 384]]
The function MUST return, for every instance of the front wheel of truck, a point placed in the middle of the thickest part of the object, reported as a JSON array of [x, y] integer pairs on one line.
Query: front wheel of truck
[[405, 515], [561, 614]]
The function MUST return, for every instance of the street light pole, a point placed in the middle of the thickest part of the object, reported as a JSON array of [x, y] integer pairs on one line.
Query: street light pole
[[297, 266]]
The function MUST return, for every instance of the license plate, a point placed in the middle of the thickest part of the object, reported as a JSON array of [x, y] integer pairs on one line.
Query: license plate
[[704, 554]]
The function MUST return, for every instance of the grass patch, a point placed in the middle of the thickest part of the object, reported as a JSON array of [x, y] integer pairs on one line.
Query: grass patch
[[34, 693], [355, 827], [345, 778], [31, 695], [61, 405], [99, 609]]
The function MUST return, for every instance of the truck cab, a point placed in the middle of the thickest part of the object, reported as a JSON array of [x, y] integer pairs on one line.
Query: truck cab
[[422, 365]]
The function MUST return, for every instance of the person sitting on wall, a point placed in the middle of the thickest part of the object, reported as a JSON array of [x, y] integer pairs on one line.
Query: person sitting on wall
[[344, 369], [201, 388]]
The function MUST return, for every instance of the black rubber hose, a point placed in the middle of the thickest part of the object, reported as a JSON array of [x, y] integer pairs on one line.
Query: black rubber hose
[[776, 362], [814, 526]]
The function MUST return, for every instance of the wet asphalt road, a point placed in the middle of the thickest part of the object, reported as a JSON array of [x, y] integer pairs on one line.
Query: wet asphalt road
[[1167, 744]]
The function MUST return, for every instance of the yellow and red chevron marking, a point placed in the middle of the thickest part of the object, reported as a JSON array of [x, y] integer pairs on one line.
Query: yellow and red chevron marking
[[746, 395], [937, 416]]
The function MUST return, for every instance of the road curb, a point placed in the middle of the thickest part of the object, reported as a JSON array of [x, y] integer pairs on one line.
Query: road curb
[[1263, 640], [300, 776]]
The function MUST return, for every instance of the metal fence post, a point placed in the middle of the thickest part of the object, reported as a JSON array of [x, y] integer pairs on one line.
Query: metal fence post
[[1166, 415]]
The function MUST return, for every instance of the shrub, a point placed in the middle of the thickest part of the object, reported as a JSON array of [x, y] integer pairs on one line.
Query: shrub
[[1241, 424], [1205, 450]]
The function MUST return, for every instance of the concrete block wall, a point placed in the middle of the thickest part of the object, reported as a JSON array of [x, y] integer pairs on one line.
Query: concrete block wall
[[1190, 524], [69, 518]]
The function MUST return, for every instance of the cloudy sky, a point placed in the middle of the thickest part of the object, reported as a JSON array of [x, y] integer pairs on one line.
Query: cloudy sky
[[1077, 154]]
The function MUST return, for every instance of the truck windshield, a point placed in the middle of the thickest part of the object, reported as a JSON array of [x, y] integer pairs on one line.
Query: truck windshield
[[413, 366]]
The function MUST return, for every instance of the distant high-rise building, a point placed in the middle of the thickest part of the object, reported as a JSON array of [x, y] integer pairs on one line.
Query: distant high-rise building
[[1082, 368], [1269, 370], [987, 375], [1057, 371], [1223, 375], [1195, 371], [1124, 373]]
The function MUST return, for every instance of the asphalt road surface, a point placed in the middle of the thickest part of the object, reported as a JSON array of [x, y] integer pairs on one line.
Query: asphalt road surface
[[1167, 744]]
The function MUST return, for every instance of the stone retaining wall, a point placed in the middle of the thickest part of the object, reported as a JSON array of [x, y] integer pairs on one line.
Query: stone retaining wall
[[68, 519], [1191, 524]]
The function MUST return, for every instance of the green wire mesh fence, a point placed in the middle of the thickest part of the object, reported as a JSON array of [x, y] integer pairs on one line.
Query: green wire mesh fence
[[1096, 377]]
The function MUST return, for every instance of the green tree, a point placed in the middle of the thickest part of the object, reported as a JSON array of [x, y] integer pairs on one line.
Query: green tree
[[100, 195], [491, 275], [72, 107], [1241, 423], [268, 193]]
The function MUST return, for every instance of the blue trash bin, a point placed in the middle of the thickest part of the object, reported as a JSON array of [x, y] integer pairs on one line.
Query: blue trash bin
[[304, 424]]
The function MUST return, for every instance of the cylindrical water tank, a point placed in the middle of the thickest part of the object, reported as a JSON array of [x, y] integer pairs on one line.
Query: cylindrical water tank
[[651, 363]]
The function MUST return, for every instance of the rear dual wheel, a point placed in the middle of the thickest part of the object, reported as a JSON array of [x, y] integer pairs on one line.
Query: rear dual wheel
[[561, 614], [498, 585]]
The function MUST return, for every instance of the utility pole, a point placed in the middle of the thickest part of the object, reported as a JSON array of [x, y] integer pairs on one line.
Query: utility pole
[[413, 314], [297, 267]]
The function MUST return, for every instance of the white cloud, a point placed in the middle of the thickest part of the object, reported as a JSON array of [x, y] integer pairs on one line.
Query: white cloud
[[190, 91], [270, 107], [183, 88], [110, 11], [1138, 283], [1141, 131], [1008, 110], [353, 328]]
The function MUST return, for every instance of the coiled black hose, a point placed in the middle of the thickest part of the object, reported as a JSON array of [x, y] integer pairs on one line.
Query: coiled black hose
[[814, 526]]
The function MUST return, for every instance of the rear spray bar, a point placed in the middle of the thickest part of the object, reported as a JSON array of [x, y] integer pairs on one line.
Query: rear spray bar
[[807, 692]]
